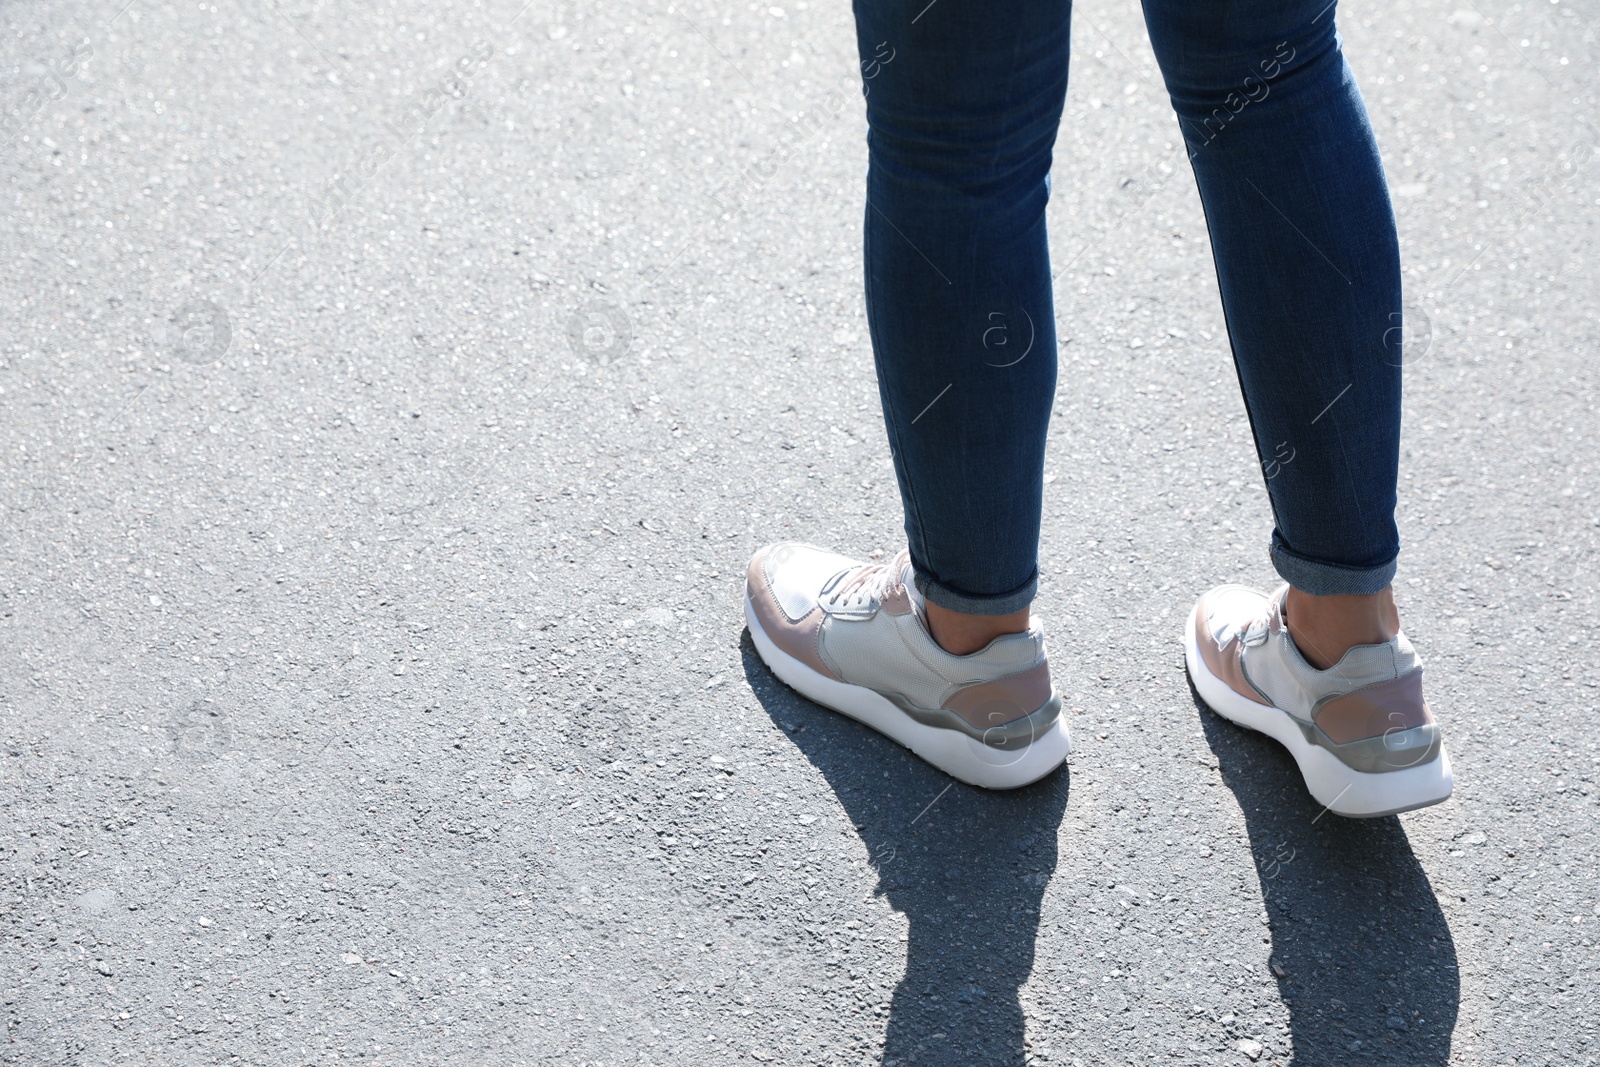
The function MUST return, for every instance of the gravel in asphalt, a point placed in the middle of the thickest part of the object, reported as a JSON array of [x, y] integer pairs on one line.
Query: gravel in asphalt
[[390, 398]]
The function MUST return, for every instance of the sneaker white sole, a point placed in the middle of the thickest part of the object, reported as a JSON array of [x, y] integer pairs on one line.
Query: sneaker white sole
[[1337, 787], [959, 756]]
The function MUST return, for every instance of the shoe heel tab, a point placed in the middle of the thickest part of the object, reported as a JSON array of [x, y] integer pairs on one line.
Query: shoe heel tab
[[1405, 654], [1012, 644]]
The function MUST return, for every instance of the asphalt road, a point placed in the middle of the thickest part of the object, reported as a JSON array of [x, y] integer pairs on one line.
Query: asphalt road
[[390, 398]]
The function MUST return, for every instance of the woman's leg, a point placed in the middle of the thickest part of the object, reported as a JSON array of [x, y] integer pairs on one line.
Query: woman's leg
[[963, 103], [1308, 265], [1310, 276]]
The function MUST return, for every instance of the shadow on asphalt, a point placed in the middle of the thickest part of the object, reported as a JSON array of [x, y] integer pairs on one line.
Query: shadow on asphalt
[[1363, 957], [967, 871]]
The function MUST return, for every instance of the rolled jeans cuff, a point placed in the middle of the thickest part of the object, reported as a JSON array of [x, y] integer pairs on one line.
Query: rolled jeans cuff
[[1329, 579], [967, 604]]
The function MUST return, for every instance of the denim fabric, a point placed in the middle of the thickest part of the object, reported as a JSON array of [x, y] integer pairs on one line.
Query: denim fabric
[[963, 102]]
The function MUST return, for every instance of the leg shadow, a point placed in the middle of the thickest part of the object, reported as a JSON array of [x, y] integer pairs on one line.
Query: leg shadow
[[1362, 954], [967, 866]]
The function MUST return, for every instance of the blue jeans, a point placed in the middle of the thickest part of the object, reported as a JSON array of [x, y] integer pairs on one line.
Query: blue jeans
[[963, 102]]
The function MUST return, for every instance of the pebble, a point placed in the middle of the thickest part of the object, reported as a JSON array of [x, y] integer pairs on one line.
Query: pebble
[[97, 901], [1251, 1048]]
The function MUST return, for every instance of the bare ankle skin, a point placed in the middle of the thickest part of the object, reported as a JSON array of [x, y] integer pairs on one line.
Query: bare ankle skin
[[1324, 628], [960, 634]]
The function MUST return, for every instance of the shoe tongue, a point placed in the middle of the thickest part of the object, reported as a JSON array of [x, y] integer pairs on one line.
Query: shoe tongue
[[908, 578], [1275, 606]]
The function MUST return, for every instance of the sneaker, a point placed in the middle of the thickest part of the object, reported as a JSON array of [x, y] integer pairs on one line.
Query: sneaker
[[1360, 730], [851, 636]]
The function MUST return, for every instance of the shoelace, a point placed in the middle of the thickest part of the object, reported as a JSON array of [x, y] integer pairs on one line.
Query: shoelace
[[871, 581], [1259, 627]]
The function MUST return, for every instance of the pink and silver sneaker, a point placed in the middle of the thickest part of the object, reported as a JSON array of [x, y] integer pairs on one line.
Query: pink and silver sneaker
[[1363, 736], [851, 637]]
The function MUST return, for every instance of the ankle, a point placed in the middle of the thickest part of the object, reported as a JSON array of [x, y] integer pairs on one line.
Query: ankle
[[960, 634], [1324, 628]]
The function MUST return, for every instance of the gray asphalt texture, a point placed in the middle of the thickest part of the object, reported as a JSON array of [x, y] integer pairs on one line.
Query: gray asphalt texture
[[390, 398]]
